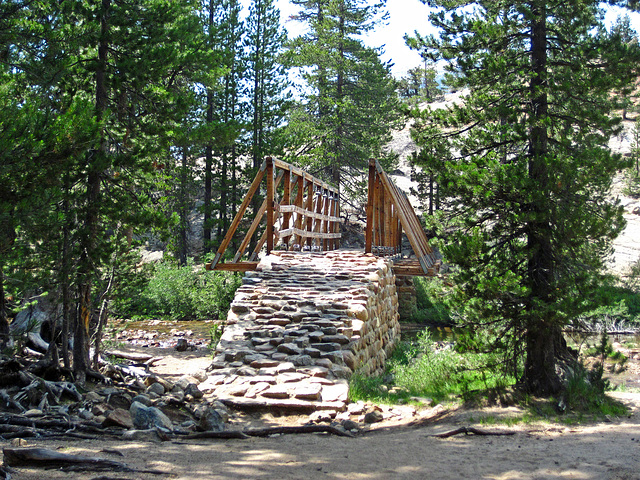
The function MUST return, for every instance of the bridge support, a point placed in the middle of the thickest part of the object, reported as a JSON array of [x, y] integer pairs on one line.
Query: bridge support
[[301, 325]]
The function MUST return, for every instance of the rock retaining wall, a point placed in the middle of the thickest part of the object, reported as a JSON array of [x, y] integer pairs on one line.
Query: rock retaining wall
[[407, 297], [301, 325]]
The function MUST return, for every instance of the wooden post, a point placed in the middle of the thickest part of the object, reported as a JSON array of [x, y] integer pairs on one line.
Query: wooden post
[[286, 200], [298, 203], [309, 207], [368, 233], [326, 196], [270, 204]]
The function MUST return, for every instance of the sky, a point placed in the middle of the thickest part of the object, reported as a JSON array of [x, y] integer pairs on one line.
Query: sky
[[405, 17]]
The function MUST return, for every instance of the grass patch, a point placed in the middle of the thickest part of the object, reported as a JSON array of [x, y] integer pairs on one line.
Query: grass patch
[[430, 370]]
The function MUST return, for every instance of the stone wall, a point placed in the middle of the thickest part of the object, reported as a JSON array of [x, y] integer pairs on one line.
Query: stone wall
[[302, 324], [407, 297]]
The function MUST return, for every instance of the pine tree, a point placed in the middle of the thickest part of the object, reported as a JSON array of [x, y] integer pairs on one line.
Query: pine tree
[[109, 83], [530, 171], [350, 106], [266, 84], [224, 114]]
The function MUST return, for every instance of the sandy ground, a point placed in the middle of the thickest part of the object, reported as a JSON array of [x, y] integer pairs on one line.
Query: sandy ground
[[404, 449], [400, 449], [609, 450]]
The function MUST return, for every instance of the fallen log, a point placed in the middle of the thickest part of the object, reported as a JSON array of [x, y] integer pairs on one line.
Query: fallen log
[[12, 419], [470, 430], [133, 356], [44, 458]]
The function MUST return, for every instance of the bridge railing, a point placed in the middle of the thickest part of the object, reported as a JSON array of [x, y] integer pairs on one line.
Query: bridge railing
[[389, 213], [301, 212]]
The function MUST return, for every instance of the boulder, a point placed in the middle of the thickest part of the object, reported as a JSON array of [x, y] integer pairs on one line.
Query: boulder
[[118, 418], [211, 421], [144, 417]]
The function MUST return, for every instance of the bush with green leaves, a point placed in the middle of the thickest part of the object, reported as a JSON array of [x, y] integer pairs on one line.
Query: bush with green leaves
[[425, 368], [619, 309], [431, 309], [181, 292]]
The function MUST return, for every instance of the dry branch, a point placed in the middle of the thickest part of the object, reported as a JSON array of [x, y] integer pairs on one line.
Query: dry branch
[[470, 430]]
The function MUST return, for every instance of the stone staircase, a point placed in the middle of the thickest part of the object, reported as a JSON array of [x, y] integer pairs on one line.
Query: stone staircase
[[300, 326]]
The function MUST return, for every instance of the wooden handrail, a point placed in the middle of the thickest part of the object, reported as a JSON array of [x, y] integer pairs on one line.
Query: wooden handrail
[[389, 213], [314, 211]]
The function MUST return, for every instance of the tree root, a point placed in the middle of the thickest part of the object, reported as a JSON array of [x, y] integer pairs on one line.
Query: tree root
[[44, 458], [468, 431], [268, 431]]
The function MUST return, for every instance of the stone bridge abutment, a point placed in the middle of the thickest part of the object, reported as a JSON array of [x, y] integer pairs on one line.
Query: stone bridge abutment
[[301, 324]]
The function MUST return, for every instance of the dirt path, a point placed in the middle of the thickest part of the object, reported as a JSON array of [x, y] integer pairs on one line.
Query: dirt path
[[609, 450], [400, 449]]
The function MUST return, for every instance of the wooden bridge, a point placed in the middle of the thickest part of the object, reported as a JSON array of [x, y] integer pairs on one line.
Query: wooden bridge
[[302, 213], [301, 324]]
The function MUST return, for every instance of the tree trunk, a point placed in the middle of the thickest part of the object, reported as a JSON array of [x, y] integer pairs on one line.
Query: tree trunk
[[4, 320], [208, 156], [65, 281], [545, 346], [337, 156], [88, 239], [7, 238], [207, 207], [184, 210]]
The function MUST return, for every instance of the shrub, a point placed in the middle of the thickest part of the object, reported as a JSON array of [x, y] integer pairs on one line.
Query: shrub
[[186, 293], [431, 309]]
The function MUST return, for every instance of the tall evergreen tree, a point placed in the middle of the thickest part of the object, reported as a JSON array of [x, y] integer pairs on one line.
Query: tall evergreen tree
[[266, 79], [530, 170], [350, 106], [110, 81], [224, 114]]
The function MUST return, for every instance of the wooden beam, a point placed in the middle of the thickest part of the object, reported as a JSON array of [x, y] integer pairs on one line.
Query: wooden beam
[[238, 218], [307, 234], [270, 203], [368, 233], [307, 213], [286, 200], [235, 267], [254, 224]]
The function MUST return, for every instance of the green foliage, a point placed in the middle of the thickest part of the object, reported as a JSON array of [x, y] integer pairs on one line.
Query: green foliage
[[585, 394], [632, 174], [187, 292], [420, 85], [350, 104], [431, 308], [527, 166], [427, 369], [215, 334], [618, 309]]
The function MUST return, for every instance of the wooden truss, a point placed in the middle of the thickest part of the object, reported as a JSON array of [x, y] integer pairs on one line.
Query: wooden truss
[[389, 212], [302, 214]]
